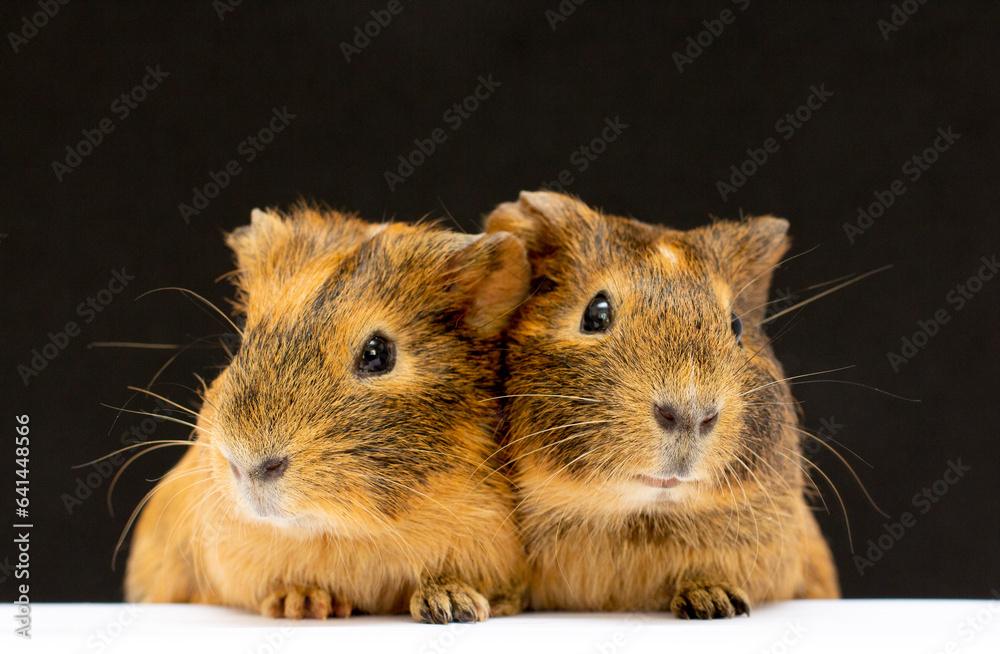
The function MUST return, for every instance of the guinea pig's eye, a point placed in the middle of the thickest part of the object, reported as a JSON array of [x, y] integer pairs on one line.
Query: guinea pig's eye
[[597, 316], [737, 326], [377, 356]]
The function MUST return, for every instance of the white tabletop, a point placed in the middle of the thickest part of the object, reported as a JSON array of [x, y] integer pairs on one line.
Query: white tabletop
[[849, 626]]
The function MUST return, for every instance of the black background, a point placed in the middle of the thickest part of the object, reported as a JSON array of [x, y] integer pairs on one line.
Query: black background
[[119, 208]]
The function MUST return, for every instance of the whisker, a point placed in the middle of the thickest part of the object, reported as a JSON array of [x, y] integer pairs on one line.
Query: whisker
[[850, 383], [545, 447], [830, 438], [543, 485], [192, 293], [807, 288], [135, 514], [225, 347], [133, 446], [787, 379], [843, 507], [114, 480], [521, 438], [147, 346], [567, 397], [158, 415], [196, 343], [848, 466], [448, 213], [231, 273], [775, 266], [827, 283], [784, 330], [807, 478], [826, 292], [753, 515], [160, 397]]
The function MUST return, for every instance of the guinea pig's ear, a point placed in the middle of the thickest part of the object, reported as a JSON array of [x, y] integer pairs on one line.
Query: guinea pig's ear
[[251, 242], [492, 274], [541, 219], [747, 254]]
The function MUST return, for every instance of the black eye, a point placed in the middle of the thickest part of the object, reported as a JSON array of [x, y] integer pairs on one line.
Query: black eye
[[377, 357], [737, 326], [597, 316]]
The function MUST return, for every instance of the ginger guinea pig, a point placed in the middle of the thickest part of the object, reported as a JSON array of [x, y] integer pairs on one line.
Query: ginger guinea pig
[[652, 439], [341, 461]]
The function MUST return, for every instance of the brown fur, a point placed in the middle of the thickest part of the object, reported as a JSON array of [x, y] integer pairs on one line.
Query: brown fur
[[737, 531], [390, 502]]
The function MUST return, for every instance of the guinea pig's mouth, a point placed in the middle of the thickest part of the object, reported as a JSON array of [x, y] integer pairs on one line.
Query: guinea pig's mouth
[[659, 481]]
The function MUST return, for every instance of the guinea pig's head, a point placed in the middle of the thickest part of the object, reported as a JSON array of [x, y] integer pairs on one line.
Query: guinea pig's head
[[640, 377], [366, 356]]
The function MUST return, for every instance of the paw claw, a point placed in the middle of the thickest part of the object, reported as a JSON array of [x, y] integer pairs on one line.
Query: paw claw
[[447, 601], [297, 602], [705, 601]]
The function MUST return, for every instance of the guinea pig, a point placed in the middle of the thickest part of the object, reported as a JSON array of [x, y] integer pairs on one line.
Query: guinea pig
[[343, 459], [652, 437]]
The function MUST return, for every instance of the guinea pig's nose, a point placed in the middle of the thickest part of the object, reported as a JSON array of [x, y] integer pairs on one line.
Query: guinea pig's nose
[[699, 421], [271, 469]]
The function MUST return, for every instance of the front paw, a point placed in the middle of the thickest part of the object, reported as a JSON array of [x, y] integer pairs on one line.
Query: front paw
[[704, 601], [440, 601], [298, 601]]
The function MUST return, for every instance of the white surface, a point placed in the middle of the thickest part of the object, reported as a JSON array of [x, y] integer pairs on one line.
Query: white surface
[[850, 626]]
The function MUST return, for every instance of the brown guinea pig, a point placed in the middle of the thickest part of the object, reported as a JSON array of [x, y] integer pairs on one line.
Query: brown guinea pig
[[651, 436], [342, 458]]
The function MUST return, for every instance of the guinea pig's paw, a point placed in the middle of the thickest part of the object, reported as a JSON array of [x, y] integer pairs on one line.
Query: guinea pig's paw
[[441, 601], [297, 602], [705, 600], [510, 603]]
